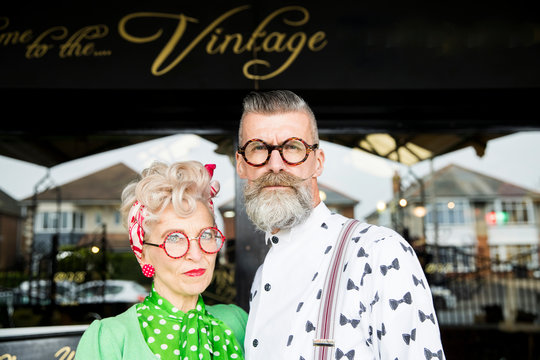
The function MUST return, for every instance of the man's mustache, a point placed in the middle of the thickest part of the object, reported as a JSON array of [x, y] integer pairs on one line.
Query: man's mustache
[[277, 179]]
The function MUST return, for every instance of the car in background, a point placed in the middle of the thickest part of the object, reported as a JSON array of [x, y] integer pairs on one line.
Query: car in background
[[110, 291], [443, 298], [37, 292]]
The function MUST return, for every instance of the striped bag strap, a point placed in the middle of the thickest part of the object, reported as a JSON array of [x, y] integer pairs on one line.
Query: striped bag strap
[[324, 339]]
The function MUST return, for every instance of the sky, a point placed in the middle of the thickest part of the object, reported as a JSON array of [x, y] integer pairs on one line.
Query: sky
[[364, 177]]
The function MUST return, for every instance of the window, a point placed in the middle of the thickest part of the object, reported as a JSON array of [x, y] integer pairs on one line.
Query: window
[[117, 218], [48, 221], [448, 212]]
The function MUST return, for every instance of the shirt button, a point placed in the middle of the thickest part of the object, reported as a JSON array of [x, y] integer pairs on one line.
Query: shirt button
[[275, 239], [255, 343], [267, 287]]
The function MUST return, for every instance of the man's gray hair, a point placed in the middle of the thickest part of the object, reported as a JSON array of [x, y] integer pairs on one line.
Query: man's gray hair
[[276, 102]]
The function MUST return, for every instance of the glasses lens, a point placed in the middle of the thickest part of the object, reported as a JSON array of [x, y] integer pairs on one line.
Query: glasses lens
[[176, 244], [211, 240], [256, 152], [294, 151]]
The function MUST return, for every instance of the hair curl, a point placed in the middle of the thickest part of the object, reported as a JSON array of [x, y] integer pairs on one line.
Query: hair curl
[[181, 184]]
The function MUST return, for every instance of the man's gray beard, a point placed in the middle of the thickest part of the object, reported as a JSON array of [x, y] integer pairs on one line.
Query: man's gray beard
[[277, 209]]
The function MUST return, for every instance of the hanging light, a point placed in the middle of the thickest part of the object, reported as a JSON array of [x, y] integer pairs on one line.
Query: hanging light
[[402, 202], [419, 211]]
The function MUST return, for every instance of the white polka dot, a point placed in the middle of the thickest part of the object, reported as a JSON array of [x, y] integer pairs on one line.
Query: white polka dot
[[151, 340], [184, 328], [193, 348], [150, 318], [144, 324], [190, 316], [160, 302], [162, 321], [228, 332], [157, 331], [184, 344], [164, 346], [158, 356], [214, 323], [200, 356], [176, 352], [174, 309], [216, 353], [157, 307], [176, 327], [191, 331], [207, 347], [216, 338], [227, 341], [199, 308], [203, 330], [234, 356], [170, 336]]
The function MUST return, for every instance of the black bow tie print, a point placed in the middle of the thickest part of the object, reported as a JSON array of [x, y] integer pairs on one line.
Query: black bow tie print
[[394, 265], [362, 253], [423, 316], [362, 309], [417, 281], [375, 300], [429, 355], [344, 321], [407, 299], [408, 337], [351, 285], [407, 248], [382, 332], [355, 239], [309, 326], [367, 270], [363, 231], [340, 354]]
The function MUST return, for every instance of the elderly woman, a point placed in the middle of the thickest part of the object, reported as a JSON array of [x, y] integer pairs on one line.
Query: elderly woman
[[173, 234]]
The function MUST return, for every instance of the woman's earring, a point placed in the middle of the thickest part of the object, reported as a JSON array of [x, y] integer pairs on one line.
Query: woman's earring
[[148, 270]]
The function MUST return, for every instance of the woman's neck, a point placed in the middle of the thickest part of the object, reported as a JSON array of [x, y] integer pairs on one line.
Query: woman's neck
[[183, 303]]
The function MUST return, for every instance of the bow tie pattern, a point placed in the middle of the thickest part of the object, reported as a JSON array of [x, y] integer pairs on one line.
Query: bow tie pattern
[[394, 265], [375, 300], [408, 337], [407, 299], [344, 321], [367, 270], [362, 253], [351, 285], [362, 309], [430, 355], [340, 354], [309, 326], [382, 332], [423, 317], [407, 248], [416, 281]]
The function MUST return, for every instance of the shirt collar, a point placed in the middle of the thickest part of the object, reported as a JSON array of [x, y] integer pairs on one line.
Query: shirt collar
[[317, 216]]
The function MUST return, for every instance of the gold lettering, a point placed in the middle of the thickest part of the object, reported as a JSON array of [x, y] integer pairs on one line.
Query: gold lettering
[[317, 41], [74, 47], [8, 357], [65, 353], [36, 49], [14, 37]]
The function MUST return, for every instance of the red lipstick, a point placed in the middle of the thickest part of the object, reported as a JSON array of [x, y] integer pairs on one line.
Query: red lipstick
[[195, 272]]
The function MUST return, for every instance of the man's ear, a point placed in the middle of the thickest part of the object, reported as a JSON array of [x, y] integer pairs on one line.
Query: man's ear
[[240, 166], [319, 158]]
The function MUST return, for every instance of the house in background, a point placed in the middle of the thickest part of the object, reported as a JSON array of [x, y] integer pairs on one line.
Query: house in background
[[78, 211], [460, 208], [10, 231]]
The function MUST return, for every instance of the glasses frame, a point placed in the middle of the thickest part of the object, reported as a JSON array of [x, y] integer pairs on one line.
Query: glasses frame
[[271, 148], [162, 245]]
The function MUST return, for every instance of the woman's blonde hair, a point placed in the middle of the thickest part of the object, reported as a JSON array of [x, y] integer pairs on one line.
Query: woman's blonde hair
[[181, 184]]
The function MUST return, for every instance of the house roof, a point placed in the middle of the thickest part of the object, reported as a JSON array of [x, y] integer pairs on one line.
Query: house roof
[[106, 184], [454, 180], [8, 205]]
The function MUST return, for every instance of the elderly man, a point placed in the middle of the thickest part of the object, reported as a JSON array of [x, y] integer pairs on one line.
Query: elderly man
[[384, 308]]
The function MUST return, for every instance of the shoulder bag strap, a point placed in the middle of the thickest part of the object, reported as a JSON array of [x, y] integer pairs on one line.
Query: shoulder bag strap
[[324, 338]]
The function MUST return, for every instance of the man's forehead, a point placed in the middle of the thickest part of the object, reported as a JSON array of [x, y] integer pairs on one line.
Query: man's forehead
[[279, 126]]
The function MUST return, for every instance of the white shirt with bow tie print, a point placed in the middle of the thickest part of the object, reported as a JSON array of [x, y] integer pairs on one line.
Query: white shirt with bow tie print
[[385, 309]]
